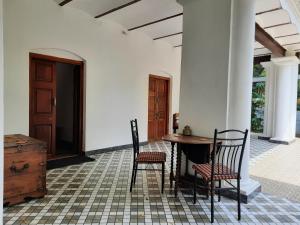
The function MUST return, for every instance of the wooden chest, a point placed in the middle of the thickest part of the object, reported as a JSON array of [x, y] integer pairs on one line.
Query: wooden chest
[[25, 161]]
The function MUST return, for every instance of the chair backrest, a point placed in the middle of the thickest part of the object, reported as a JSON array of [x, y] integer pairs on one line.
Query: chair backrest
[[175, 122], [135, 137], [228, 152]]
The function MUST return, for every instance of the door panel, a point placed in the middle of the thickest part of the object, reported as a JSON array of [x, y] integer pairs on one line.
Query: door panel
[[43, 98], [158, 108], [42, 102]]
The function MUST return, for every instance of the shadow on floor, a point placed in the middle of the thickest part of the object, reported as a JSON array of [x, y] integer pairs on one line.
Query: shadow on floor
[[277, 188]]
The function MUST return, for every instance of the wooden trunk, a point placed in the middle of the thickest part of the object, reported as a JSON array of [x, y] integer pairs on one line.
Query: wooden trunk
[[25, 161]]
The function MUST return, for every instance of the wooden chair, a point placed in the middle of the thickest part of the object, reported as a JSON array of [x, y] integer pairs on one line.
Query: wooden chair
[[145, 157], [175, 122], [226, 163]]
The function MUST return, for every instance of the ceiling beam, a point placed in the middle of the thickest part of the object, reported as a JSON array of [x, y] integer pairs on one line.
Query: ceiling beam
[[170, 35], [117, 8], [156, 21], [65, 2], [288, 35], [268, 41], [277, 25], [295, 43], [268, 11], [259, 48]]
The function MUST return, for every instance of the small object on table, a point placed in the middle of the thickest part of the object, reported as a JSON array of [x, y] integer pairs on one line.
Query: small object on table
[[187, 131]]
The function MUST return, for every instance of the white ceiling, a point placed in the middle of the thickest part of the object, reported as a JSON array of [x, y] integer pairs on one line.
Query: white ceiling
[[146, 11]]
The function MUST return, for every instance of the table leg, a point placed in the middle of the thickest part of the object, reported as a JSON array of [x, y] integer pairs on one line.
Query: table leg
[[172, 159], [178, 168]]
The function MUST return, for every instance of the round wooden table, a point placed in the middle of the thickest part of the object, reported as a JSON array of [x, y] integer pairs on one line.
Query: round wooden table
[[180, 139]]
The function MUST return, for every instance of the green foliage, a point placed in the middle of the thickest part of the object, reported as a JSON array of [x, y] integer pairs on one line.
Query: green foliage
[[258, 100], [259, 71]]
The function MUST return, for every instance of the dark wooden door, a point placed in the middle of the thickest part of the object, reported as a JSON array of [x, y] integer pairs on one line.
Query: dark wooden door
[[158, 107], [43, 102]]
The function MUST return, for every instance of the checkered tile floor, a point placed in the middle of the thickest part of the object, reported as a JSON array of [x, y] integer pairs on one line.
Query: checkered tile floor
[[260, 149], [98, 193], [276, 167]]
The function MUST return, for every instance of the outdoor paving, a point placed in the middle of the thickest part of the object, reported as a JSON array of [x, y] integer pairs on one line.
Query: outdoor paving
[[276, 167], [98, 193]]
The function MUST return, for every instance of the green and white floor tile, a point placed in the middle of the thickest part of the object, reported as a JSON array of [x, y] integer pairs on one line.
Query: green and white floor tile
[[98, 193]]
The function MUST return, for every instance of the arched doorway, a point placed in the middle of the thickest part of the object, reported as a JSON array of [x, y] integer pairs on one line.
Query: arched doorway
[[56, 104]]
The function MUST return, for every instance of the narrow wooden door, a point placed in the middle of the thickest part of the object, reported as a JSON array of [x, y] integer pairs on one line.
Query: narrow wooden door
[[158, 107], [43, 102]]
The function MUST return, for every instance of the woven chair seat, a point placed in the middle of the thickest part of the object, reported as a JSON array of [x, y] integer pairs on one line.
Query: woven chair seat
[[221, 172], [151, 157]]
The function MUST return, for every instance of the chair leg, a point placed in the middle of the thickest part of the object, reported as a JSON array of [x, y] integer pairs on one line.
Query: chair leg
[[132, 176], [162, 177], [219, 191], [239, 199], [212, 200], [135, 172], [195, 186], [186, 165], [207, 190]]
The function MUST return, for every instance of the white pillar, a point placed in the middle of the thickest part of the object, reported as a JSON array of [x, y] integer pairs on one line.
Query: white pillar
[[1, 112], [269, 99], [217, 69], [285, 99], [240, 82]]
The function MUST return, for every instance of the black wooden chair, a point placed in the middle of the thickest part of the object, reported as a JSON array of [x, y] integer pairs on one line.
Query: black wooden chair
[[226, 162], [145, 157]]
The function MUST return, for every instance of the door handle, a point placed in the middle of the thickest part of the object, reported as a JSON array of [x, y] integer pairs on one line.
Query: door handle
[[54, 102]]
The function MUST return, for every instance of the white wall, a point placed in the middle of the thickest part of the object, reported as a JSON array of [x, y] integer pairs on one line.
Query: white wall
[[1, 113], [117, 67]]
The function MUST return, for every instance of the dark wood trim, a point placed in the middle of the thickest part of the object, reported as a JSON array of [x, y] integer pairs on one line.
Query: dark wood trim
[[268, 11], [156, 21], [260, 59], [65, 2], [268, 41], [117, 8], [81, 109], [81, 89], [277, 25], [288, 35], [55, 59], [159, 77], [170, 35], [168, 79]]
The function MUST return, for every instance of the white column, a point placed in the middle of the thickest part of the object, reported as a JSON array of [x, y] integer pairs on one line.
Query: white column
[[1, 112], [269, 99], [285, 99], [217, 69], [240, 82]]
